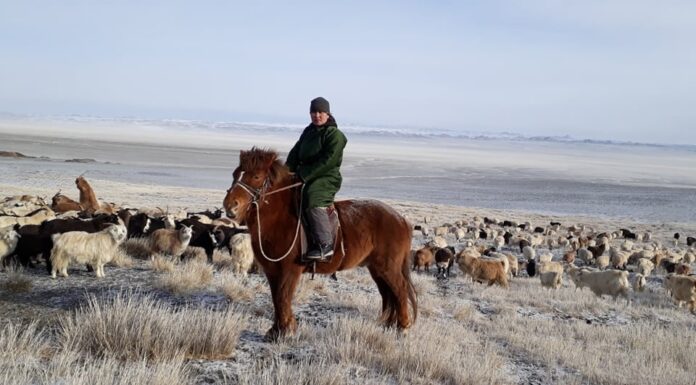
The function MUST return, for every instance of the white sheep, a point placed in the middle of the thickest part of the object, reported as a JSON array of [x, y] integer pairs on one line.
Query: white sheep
[[637, 281], [682, 289], [95, 249], [242, 253], [529, 252], [545, 257], [37, 218], [170, 241], [585, 255], [551, 279], [645, 267], [611, 282], [499, 242], [618, 258], [8, 243]]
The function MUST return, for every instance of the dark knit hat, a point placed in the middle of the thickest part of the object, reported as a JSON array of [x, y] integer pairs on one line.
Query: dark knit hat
[[319, 105]]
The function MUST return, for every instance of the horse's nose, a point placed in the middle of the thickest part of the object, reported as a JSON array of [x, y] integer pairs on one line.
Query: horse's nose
[[231, 213]]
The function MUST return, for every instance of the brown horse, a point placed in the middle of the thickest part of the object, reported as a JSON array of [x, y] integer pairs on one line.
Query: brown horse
[[265, 195]]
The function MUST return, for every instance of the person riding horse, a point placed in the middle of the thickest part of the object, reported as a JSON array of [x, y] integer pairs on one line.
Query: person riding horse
[[316, 160]]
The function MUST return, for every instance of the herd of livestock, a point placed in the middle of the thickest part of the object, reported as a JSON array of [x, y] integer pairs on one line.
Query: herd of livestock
[[610, 263], [89, 232], [490, 251]]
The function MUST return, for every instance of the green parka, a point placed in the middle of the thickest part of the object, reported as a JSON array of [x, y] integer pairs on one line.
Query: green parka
[[317, 158]]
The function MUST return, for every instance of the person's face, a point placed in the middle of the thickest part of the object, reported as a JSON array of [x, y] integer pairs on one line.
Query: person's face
[[319, 118]]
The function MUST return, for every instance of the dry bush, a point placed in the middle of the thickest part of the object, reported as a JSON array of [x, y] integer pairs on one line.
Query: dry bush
[[136, 327], [136, 247], [186, 278], [162, 264], [641, 353], [237, 290], [279, 372], [16, 281], [121, 259], [307, 287], [431, 353]]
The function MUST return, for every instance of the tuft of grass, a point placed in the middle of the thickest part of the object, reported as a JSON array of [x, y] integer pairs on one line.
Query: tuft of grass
[[138, 248], [187, 278], [238, 291], [133, 327], [162, 264], [121, 259], [16, 281]]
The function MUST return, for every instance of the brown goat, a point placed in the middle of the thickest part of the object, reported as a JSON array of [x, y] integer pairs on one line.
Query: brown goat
[[490, 270], [569, 257], [88, 199], [423, 258], [61, 204]]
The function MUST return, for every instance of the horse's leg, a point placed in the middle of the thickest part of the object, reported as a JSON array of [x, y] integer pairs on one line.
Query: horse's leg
[[395, 275], [388, 317], [283, 287]]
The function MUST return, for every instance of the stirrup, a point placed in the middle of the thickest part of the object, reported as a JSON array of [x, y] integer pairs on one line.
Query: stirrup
[[320, 254]]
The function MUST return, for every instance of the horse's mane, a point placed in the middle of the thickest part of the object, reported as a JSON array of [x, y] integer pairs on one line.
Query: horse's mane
[[263, 159]]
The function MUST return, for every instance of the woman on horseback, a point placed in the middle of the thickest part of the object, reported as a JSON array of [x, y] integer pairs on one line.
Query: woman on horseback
[[316, 160]]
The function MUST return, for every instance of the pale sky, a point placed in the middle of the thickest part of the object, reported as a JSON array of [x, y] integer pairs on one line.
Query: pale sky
[[597, 69]]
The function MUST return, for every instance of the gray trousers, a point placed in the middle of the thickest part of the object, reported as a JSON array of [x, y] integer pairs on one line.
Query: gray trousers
[[320, 225]]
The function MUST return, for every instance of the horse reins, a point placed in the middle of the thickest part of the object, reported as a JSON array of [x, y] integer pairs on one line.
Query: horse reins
[[261, 193]]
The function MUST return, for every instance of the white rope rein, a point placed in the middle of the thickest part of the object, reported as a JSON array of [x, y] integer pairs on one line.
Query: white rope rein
[[297, 228], [255, 201]]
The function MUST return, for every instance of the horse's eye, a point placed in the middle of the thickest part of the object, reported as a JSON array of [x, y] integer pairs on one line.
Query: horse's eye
[[256, 177]]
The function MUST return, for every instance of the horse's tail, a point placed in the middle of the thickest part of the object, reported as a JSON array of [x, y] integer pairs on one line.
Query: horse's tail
[[412, 297]]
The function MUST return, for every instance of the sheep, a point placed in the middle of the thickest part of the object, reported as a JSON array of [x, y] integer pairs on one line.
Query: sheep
[[95, 249], [676, 239], [546, 257], [682, 289], [619, 259], [492, 255], [499, 241], [637, 281], [223, 234], [585, 255], [424, 257], [529, 252], [490, 270], [602, 262], [142, 224], [611, 282], [170, 241], [668, 266], [444, 258], [645, 267], [531, 268], [598, 251], [8, 243], [551, 279], [690, 241], [550, 266], [242, 253], [514, 265]]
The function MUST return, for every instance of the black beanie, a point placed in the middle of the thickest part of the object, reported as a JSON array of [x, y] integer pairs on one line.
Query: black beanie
[[319, 105]]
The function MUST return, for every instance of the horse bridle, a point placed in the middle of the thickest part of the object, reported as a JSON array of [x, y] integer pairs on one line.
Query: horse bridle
[[256, 194]]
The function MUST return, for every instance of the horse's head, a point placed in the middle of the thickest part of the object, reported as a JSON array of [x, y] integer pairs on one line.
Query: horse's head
[[258, 170]]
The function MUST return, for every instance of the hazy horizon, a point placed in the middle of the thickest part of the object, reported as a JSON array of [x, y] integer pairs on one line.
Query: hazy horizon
[[620, 71]]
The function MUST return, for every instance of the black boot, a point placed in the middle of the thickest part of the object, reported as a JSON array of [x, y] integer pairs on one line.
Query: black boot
[[322, 248]]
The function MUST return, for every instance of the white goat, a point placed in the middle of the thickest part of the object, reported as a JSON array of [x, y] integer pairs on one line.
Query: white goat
[[242, 253], [170, 241], [8, 243], [95, 249]]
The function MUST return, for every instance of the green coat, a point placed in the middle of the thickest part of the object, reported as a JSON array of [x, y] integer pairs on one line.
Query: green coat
[[316, 158]]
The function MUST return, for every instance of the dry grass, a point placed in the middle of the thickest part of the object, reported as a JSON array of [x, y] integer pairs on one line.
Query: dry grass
[[29, 356], [236, 289], [162, 264], [135, 327], [121, 259], [136, 247], [187, 277], [16, 281]]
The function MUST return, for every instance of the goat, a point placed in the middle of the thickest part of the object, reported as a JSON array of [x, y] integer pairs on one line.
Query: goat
[[170, 241], [444, 258], [95, 249], [242, 253], [88, 199]]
